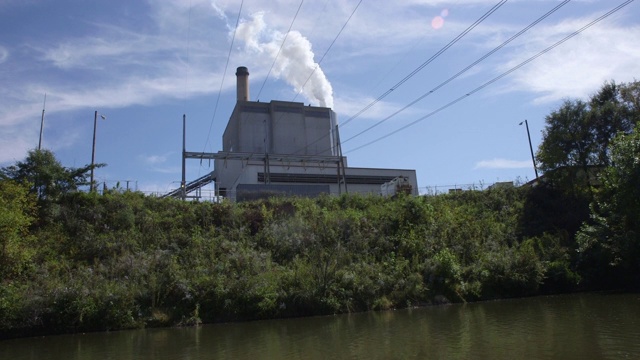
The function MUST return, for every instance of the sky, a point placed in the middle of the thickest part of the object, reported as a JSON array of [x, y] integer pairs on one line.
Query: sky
[[454, 119]]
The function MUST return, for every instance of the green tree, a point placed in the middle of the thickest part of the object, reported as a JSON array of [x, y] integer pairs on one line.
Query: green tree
[[630, 95], [568, 144], [17, 209], [611, 110], [46, 175], [614, 236], [575, 141], [566, 139]]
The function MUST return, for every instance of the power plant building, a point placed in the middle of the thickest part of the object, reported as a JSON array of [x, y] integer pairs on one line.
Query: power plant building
[[287, 148]]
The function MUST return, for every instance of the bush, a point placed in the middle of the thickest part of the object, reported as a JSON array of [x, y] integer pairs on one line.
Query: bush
[[123, 260]]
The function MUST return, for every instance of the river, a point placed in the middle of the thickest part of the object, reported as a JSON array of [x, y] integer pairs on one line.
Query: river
[[581, 326]]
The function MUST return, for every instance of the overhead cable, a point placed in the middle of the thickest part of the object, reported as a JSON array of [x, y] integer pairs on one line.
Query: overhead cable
[[280, 50], [462, 71], [416, 70], [327, 51], [570, 36], [224, 74], [428, 61]]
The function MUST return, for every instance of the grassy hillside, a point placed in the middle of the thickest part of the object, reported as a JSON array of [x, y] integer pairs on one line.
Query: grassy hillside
[[124, 260]]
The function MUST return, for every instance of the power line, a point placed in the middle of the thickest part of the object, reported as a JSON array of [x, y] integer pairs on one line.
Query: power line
[[274, 61], [280, 50], [320, 61], [224, 74], [422, 66], [322, 58], [319, 15], [327, 51], [428, 61], [570, 36], [463, 70]]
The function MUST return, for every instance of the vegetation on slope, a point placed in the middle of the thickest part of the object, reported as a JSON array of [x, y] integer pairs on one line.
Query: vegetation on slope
[[73, 261], [122, 260]]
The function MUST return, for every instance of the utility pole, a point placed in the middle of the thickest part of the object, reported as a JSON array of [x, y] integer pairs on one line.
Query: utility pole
[[42, 122], [183, 182], [93, 149], [341, 163], [535, 168]]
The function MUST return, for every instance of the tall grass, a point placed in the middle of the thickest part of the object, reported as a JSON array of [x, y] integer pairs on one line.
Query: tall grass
[[125, 260]]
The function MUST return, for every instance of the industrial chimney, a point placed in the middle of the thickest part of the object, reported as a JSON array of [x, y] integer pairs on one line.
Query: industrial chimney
[[242, 74]]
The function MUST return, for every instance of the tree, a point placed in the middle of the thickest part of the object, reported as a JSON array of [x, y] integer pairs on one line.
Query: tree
[[615, 233], [577, 135], [568, 145], [46, 176], [609, 113], [630, 95], [566, 139]]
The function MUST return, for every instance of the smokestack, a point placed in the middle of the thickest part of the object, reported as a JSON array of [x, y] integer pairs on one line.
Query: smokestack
[[242, 74]]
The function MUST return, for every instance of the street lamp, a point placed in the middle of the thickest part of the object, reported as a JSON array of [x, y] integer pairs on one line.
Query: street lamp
[[535, 168], [93, 150]]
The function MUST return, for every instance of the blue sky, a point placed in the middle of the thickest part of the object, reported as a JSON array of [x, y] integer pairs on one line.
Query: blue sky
[[143, 64]]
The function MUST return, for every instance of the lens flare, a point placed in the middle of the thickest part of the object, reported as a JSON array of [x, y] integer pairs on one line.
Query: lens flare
[[437, 22]]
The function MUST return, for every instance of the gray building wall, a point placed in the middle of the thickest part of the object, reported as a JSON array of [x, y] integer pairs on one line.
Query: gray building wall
[[359, 180], [280, 127]]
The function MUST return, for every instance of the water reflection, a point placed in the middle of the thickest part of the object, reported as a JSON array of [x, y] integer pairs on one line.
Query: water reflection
[[586, 326]]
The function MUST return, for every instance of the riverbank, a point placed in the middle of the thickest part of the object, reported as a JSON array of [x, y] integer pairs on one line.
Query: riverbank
[[124, 260], [578, 326]]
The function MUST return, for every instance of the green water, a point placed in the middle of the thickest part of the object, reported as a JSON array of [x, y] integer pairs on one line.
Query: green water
[[584, 326]]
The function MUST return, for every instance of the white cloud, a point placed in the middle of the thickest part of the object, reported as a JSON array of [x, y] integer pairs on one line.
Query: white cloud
[[153, 159], [94, 52], [182, 51], [219, 12], [502, 164], [115, 68], [14, 145], [4, 54], [158, 163], [578, 67], [168, 170]]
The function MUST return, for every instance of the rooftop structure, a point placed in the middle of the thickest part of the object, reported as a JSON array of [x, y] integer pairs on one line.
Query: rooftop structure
[[286, 148]]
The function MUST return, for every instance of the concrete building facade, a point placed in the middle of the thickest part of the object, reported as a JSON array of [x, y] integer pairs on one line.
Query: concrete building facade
[[287, 148]]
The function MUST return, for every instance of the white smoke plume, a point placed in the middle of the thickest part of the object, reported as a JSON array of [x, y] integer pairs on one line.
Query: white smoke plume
[[294, 64]]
